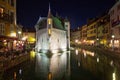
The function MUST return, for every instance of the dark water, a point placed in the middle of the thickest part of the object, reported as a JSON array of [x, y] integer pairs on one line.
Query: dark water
[[73, 65]]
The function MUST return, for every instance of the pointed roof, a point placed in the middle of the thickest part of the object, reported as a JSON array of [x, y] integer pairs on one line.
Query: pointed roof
[[66, 19], [49, 12]]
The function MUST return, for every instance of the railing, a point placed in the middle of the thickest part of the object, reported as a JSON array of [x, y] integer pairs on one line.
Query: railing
[[6, 17], [115, 23]]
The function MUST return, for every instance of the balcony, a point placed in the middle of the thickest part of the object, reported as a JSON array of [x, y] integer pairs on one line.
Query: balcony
[[116, 23], [6, 17]]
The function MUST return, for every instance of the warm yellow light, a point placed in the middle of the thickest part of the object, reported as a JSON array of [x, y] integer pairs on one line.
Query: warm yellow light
[[50, 76], [113, 36], [1, 11], [49, 21], [76, 40], [24, 38], [19, 32], [76, 51], [15, 75], [31, 39], [4, 40], [89, 53], [13, 34], [5, 43], [32, 54], [114, 78], [84, 40]]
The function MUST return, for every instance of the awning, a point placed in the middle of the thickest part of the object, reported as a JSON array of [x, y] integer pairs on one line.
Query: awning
[[7, 38]]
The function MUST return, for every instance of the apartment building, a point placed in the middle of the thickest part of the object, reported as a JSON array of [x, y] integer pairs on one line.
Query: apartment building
[[114, 13]]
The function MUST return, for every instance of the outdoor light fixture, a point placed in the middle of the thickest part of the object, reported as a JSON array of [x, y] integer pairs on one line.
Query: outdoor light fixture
[[97, 38], [113, 36], [76, 40], [24, 38], [13, 34], [19, 32]]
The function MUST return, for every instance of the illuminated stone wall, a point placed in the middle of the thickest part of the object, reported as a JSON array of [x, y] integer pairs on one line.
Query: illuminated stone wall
[[56, 42]]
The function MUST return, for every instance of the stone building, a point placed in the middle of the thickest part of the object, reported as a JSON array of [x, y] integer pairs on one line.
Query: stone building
[[52, 34]]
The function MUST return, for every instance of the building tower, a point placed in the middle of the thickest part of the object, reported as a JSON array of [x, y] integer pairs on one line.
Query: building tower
[[49, 22], [49, 25], [67, 27]]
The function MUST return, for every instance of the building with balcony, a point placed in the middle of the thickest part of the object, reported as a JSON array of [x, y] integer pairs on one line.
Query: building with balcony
[[8, 23], [19, 32], [8, 18], [114, 13], [84, 34], [92, 31], [75, 35], [103, 30]]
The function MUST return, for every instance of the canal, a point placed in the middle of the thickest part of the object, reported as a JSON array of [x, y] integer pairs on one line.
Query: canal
[[78, 64]]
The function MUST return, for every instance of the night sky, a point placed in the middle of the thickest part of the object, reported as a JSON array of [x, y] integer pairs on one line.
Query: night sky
[[77, 11]]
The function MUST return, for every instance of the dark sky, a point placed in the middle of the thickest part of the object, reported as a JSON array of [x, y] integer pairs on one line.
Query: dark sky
[[78, 11]]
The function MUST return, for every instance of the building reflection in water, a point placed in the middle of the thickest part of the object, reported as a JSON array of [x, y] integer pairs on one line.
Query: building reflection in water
[[57, 66], [103, 67], [85, 65]]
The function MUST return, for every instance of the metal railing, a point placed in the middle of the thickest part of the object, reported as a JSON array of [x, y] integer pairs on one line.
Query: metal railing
[[6, 17]]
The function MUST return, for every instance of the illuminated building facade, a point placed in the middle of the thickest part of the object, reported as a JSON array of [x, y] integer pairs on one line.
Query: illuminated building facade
[[8, 18], [103, 31], [92, 31], [52, 34], [114, 13], [8, 26], [84, 34], [28, 36], [75, 35]]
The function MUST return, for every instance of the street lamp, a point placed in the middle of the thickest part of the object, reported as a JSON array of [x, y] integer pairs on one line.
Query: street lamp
[[113, 36], [19, 32], [76, 40], [97, 41]]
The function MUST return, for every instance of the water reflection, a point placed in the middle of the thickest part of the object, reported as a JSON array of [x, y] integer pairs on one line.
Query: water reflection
[[55, 66], [101, 66], [114, 77], [78, 64]]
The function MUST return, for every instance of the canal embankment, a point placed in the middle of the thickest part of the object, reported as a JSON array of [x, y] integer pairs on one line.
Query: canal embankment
[[9, 62], [100, 50]]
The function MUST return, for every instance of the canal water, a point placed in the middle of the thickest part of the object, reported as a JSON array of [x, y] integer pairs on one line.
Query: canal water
[[77, 64]]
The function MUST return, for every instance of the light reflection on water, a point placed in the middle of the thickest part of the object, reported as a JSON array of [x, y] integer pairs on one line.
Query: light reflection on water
[[56, 65], [79, 64], [105, 68]]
